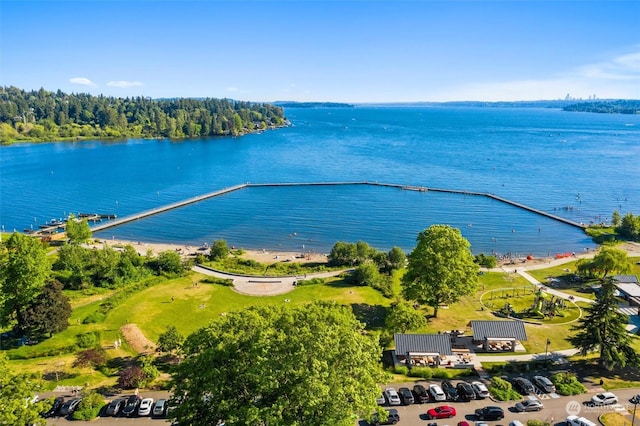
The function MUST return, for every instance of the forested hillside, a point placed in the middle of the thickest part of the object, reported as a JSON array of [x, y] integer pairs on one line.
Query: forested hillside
[[620, 106], [51, 116]]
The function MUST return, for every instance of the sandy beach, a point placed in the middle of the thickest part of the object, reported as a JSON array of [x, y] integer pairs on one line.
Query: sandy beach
[[186, 251], [269, 256]]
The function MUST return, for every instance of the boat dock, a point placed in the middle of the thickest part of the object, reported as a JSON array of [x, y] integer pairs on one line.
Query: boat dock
[[162, 209]]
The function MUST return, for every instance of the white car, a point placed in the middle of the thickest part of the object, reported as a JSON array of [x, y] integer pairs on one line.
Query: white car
[[437, 393], [145, 407], [480, 389], [605, 398], [392, 396]]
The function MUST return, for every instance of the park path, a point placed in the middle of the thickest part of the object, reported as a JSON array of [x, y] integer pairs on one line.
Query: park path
[[264, 286]]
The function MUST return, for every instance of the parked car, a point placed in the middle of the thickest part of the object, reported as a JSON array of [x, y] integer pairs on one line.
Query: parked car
[[524, 386], [420, 394], [392, 418], [436, 393], [544, 384], [579, 421], [516, 423], [381, 400], [463, 423], [480, 389], [69, 406], [145, 407], [529, 405], [405, 396], [465, 391], [131, 407], [490, 413], [392, 396], [51, 412], [449, 390], [605, 398], [441, 412], [161, 407], [114, 407]]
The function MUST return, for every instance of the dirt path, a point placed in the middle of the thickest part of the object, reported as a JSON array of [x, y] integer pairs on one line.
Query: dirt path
[[136, 339]]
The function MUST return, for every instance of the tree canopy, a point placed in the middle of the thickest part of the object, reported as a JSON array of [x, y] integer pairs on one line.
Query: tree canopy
[[289, 365], [608, 259], [603, 329], [50, 311], [441, 268], [17, 392], [45, 115], [23, 276], [403, 317], [78, 231]]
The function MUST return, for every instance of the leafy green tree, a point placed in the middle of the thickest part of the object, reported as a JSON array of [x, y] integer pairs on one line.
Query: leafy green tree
[[89, 407], [403, 317], [486, 261], [603, 329], [397, 258], [441, 268], [608, 259], [23, 276], [219, 250], [170, 340], [78, 231], [615, 218], [50, 311], [343, 254], [168, 262], [629, 227], [16, 393], [105, 271], [288, 365], [73, 266], [366, 274]]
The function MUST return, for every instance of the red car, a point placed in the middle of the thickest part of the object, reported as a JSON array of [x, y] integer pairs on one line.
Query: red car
[[441, 412]]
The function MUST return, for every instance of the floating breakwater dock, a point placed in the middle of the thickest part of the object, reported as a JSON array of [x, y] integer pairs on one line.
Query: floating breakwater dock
[[161, 209]]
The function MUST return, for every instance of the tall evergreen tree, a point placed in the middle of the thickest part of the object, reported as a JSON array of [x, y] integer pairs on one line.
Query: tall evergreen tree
[[603, 329]]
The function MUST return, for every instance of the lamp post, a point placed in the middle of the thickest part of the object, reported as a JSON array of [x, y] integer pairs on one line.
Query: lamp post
[[546, 350]]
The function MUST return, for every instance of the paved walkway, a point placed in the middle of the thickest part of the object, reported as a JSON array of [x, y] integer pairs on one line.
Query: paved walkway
[[264, 286]]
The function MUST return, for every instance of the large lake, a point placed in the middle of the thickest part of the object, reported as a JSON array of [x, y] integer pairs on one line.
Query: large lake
[[576, 165]]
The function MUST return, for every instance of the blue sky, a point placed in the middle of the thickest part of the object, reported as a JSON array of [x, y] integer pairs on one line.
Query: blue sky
[[313, 50]]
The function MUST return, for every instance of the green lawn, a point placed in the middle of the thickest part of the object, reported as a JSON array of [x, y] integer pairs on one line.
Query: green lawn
[[192, 307]]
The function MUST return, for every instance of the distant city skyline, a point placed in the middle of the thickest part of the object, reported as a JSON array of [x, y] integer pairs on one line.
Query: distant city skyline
[[361, 51]]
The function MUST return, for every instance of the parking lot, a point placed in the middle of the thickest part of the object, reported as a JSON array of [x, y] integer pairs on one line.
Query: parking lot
[[556, 408]]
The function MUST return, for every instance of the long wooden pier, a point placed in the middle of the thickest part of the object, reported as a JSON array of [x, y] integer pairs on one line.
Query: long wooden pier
[[162, 209]]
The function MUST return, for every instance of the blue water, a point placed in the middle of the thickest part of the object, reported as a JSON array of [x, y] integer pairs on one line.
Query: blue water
[[579, 166]]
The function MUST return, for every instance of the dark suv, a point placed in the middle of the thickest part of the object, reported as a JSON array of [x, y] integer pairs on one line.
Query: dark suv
[[405, 396], [420, 394], [131, 406], [449, 390], [490, 413], [465, 391], [392, 419], [524, 386]]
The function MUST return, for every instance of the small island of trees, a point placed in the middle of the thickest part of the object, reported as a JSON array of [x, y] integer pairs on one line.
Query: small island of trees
[[55, 116]]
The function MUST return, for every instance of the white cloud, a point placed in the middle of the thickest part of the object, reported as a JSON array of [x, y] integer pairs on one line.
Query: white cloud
[[615, 78], [83, 81], [232, 89], [124, 84], [624, 67]]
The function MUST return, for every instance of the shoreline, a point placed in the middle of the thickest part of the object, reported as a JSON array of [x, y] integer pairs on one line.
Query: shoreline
[[187, 251], [274, 256]]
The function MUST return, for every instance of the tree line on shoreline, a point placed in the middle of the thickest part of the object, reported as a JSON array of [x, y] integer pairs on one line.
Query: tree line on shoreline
[[52, 116]]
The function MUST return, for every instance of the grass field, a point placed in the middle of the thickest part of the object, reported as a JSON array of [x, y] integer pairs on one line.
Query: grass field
[[178, 302]]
